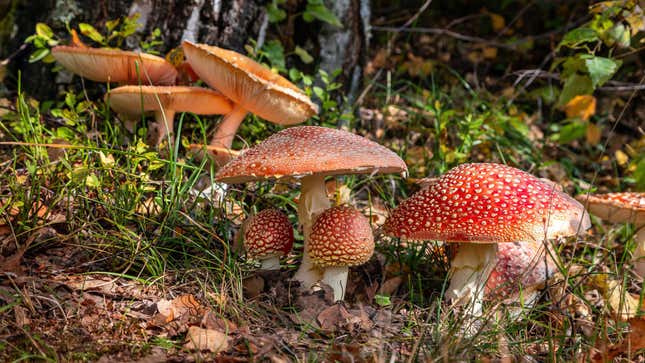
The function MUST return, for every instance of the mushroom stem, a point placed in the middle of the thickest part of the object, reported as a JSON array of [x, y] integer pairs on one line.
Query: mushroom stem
[[470, 270], [228, 127], [639, 254], [271, 263], [164, 124], [336, 277], [313, 201]]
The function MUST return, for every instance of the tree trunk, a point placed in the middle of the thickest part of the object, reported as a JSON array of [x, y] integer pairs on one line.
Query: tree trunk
[[226, 23]]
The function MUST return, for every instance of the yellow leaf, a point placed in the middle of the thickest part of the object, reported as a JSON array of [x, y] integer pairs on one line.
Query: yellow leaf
[[498, 21], [621, 157], [489, 52], [593, 134], [582, 106]]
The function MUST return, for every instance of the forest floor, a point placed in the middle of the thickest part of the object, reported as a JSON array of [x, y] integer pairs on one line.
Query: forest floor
[[110, 253]]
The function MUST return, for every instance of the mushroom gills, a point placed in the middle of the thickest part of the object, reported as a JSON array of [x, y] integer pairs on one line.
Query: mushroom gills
[[470, 270]]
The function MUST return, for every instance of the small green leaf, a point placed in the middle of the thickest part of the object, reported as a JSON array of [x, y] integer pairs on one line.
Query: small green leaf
[[38, 55], [90, 32], [319, 92], [44, 30], [316, 9], [304, 55], [571, 131], [382, 300], [110, 25], [92, 181], [275, 14], [275, 54], [573, 86], [578, 36], [601, 69], [618, 35]]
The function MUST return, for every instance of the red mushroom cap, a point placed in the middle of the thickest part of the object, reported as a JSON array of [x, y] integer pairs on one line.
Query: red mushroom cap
[[268, 234], [341, 236], [487, 203], [307, 150], [519, 264]]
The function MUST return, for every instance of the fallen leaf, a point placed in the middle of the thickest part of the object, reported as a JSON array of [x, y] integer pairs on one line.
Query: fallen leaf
[[621, 157], [390, 286], [206, 339], [253, 286], [497, 21], [633, 341], [183, 305], [489, 52], [21, 316], [582, 106]]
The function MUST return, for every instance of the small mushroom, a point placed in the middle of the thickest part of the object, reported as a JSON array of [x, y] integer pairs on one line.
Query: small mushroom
[[310, 153], [267, 236], [340, 237], [252, 86], [115, 65], [164, 101], [479, 206], [628, 207]]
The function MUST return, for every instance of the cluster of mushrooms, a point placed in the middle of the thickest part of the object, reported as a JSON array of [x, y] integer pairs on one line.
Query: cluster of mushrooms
[[499, 216]]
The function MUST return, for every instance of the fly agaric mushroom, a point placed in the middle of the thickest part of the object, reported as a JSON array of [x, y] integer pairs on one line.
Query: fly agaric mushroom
[[310, 153], [628, 207], [480, 205], [340, 237], [164, 101], [252, 86], [267, 236], [115, 65]]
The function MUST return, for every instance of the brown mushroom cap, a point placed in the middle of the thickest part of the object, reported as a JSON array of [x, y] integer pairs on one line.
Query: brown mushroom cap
[[268, 234], [628, 207], [255, 87], [484, 203], [114, 65], [308, 150], [341, 236], [134, 99]]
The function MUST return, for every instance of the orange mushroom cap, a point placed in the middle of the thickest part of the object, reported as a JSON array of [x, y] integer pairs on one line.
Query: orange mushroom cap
[[307, 150], [484, 203], [616, 207], [115, 65], [267, 234], [255, 87], [135, 99], [341, 236]]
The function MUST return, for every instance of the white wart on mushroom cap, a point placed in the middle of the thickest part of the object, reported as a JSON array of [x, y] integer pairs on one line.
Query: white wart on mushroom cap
[[267, 236], [310, 153], [253, 87], [164, 101], [340, 237], [115, 65], [483, 204], [626, 207]]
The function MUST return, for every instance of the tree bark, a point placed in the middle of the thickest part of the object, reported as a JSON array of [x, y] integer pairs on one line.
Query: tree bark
[[226, 23]]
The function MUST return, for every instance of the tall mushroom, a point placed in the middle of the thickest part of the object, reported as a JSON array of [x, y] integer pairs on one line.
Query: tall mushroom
[[115, 65], [252, 86], [340, 237], [628, 207], [164, 101], [480, 205], [310, 153], [267, 236]]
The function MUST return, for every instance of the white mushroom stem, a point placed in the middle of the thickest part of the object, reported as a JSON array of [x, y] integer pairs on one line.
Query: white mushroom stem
[[639, 254], [164, 124], [271, 263], [336, 277], [227, 129], [313, 201], [470, 270]]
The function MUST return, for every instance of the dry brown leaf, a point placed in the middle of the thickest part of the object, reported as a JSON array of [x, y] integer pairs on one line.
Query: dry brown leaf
[[206, 339], [183, 305], [417, 66], [593, 134], [390, 285], [253, 286], [634, 341], [489, 52], [497, 21], [582, 106]]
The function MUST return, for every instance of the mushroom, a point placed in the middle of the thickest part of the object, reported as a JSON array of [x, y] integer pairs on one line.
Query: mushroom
[[628, 207], [480, 205], [310, 153], [164, 101], [267, 236], [340, 237], [115, 65], [252, 86]]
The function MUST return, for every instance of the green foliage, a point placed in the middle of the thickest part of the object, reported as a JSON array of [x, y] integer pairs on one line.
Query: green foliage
[[314, 10], [42, 40]]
